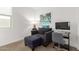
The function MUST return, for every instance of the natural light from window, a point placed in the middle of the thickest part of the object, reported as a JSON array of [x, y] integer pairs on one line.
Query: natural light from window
[[5, 17]]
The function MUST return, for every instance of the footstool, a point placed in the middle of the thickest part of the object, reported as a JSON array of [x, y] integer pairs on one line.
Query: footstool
[[34, 41]]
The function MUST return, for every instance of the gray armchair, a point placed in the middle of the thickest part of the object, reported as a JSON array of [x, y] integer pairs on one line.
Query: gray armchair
[[46, 35]]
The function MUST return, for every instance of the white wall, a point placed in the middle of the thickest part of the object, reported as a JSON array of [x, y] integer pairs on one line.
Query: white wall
[[22, 18], [19, 26], [61, 14], [67, 14], [77, 20], [26, 15]]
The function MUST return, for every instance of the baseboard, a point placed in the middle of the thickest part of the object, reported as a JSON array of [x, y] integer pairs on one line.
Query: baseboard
[[12, 41]]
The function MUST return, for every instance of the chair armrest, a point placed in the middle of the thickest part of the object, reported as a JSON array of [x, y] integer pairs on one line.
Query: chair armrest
[[48, 36], [48, 32]]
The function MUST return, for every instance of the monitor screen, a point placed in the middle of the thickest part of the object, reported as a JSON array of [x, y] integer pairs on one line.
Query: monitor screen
[[62, 25]]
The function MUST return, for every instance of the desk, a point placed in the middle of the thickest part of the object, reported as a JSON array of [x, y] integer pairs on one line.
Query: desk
[[68, 37]]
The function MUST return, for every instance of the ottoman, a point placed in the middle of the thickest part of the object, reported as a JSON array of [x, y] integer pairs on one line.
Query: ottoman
[[26, 39], [34, 41]]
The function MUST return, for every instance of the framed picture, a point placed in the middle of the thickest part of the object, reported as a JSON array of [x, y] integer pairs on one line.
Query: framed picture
[[45, 20]]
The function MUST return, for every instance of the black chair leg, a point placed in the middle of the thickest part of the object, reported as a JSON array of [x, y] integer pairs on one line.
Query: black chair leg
[[53, 45], [33, 49], [25, 44]]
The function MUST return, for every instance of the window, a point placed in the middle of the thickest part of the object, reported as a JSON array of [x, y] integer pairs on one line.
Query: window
[[5, 17]]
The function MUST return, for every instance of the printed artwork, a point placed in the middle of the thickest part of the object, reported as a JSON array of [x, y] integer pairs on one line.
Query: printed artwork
[[45, 20]]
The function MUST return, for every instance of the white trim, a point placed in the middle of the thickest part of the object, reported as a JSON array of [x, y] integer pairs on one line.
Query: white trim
[[12, 41]]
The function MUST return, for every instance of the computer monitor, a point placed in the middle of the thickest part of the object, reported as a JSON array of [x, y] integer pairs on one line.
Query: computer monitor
[[62, 25]]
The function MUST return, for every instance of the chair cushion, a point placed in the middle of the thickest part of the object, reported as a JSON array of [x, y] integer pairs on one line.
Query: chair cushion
[[43, 30]]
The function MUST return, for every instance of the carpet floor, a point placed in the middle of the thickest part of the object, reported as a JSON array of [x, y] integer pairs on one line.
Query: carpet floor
[[19, 46]]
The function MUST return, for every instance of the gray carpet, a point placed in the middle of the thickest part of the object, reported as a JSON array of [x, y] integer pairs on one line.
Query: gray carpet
[[19, 46]]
